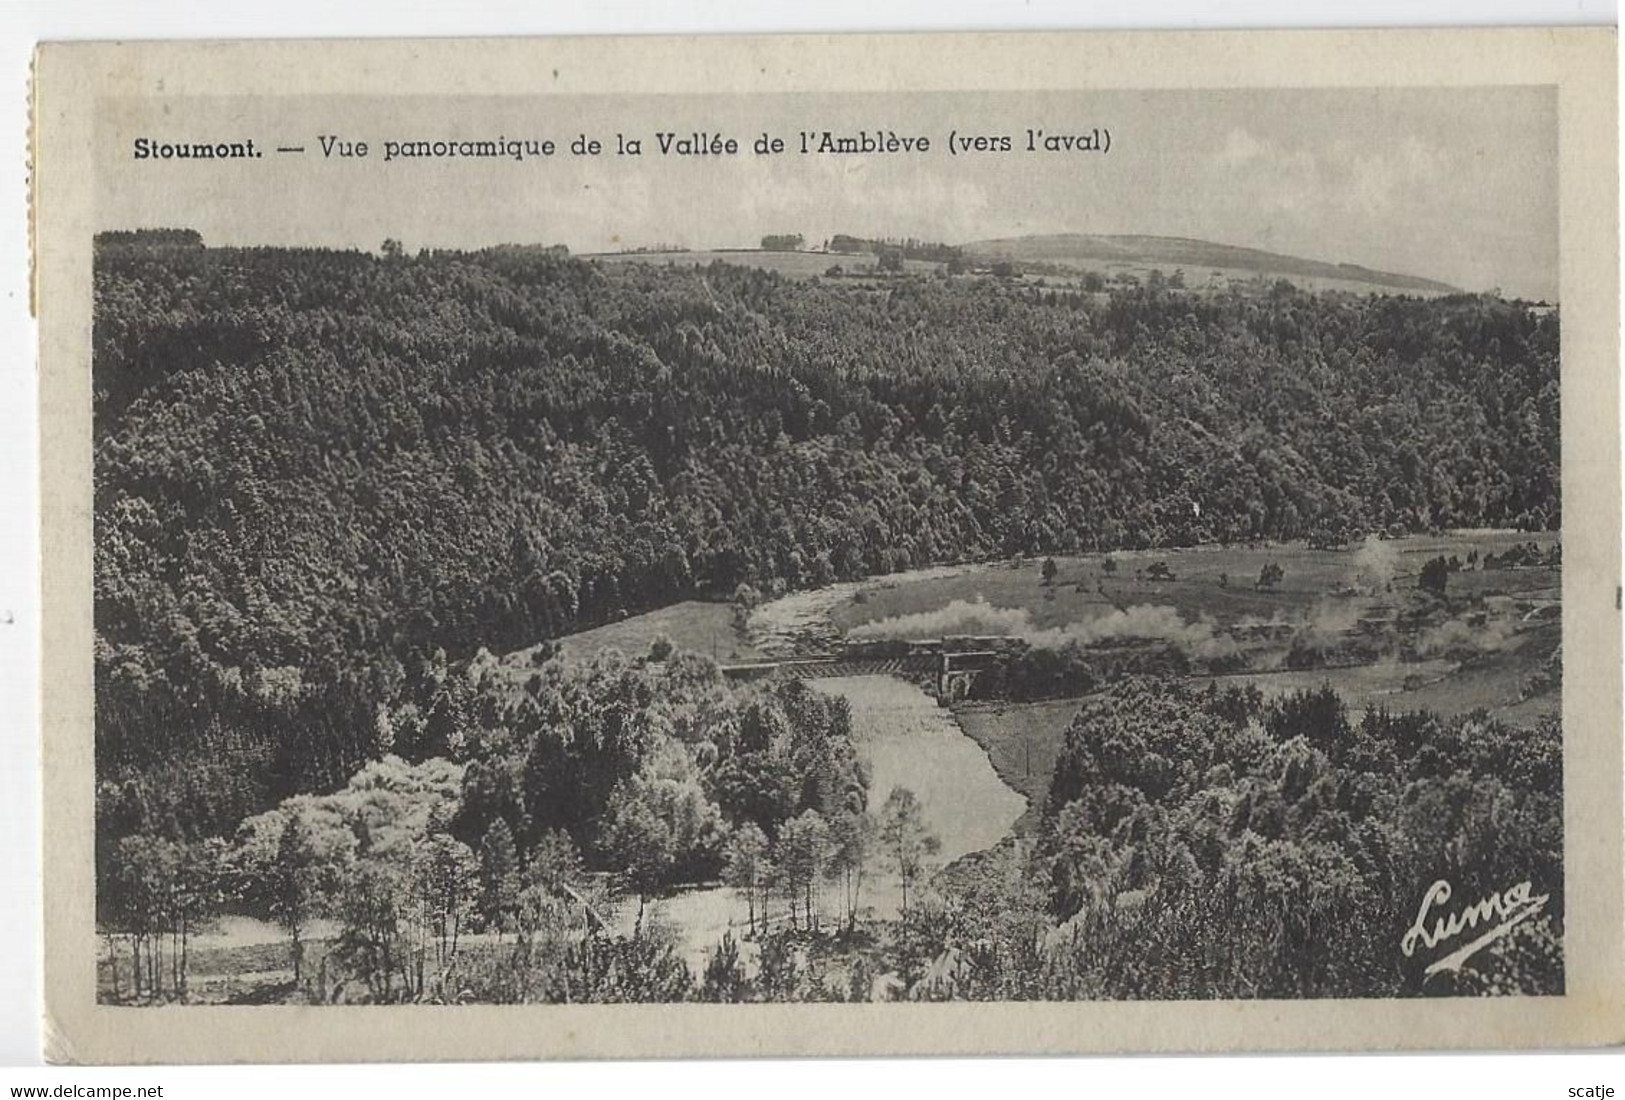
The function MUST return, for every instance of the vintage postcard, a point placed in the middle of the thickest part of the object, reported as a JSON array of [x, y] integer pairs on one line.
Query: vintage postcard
[[830, 545]]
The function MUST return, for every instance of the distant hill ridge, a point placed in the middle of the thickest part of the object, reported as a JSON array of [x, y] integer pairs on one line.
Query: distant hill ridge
[[1197, 257]]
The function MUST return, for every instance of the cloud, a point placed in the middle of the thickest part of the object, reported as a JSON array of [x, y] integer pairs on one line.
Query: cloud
[[1320, 184]]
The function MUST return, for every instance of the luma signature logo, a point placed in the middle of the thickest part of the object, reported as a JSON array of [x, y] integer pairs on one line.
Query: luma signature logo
[[1491, 917]]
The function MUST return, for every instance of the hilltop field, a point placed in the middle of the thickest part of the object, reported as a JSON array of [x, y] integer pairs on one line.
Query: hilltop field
[[1067, 259], [794, 265], [1204, 263]]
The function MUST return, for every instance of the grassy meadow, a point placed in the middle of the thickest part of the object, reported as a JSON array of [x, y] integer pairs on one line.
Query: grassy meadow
[[1022, 740], [695, 626], [1083, 585]]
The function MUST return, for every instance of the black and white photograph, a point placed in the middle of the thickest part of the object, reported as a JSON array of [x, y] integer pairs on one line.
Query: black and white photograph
[[901, 548], [1120, 561]]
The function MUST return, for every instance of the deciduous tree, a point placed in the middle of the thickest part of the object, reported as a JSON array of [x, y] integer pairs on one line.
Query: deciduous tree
[[905, 838]]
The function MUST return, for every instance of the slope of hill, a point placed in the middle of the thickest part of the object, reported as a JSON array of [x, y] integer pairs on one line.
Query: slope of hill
[[322, 477], [1199, 259]]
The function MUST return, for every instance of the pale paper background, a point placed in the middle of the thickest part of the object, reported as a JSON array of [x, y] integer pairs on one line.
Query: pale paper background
[[83, 91]]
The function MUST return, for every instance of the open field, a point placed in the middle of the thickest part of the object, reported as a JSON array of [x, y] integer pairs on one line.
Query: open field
[[694, 626], [794, 265], [1022, 740], [1206, 267], [1477, 648], [1082, 586], [1202, 262], [1494, 681], [1355, 617]]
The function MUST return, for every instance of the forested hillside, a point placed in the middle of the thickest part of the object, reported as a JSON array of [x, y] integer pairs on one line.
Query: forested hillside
[[320, 474]]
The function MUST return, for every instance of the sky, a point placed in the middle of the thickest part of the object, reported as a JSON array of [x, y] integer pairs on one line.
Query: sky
[[1458, 185]]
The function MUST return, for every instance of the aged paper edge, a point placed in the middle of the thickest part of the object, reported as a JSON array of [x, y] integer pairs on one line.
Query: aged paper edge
[[1579, 62]]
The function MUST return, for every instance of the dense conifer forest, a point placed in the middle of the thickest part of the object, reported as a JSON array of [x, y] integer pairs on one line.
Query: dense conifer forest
[[329, 485]]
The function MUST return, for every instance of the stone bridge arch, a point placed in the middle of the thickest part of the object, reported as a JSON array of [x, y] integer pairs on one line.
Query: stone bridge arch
[[957, 670]]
